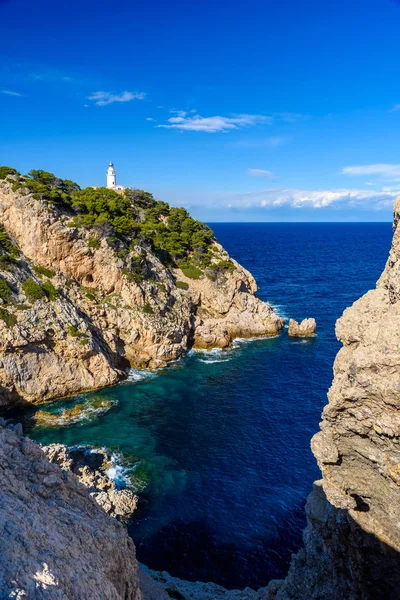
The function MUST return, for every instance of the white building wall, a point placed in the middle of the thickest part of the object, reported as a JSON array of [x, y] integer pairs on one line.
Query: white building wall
[[111, 176]]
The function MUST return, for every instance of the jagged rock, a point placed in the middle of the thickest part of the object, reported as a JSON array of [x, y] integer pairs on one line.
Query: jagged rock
[[90, 465], [160, 585], [352, 540], [102, 323], [306, 328], [56, 543]]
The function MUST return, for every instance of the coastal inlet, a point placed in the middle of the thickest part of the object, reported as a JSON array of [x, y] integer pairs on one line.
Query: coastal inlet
[[218, 443]]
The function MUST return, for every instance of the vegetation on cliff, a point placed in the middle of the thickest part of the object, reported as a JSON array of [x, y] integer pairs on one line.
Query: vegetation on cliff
[[133, 218]]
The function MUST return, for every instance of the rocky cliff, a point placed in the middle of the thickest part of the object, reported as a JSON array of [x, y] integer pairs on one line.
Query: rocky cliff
[[56, 543], [75, 313], [352, 541]]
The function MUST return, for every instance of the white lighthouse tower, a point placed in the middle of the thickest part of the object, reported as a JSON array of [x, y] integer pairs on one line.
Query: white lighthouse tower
[[111, 176]]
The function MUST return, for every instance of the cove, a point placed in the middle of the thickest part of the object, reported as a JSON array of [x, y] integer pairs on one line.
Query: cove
[[218, 443]]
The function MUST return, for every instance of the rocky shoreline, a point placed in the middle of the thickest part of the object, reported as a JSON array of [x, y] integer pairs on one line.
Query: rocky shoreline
[[56, 540], [92, 468], [73, 317]]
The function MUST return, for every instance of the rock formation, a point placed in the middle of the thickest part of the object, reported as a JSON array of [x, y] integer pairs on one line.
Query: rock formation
[[90, 466], [306, 328], [352, 541], [98, 320], [160, 585], [56, 543]]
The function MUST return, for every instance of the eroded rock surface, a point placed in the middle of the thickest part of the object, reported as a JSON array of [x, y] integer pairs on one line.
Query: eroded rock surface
[[102, 322], [306, 328], [90, 466], [56, 543], [160, 585], [352, 541]]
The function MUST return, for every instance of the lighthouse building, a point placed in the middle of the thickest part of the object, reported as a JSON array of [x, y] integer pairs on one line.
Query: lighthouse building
[[112, 178]]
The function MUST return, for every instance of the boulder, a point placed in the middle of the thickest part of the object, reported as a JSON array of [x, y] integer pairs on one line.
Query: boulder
[[306, 328]]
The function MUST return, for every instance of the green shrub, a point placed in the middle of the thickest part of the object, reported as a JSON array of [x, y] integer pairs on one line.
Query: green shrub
[[122, 253], [46, 186], [132, 277], [5, 171], [6, 245], [17, 185], [83, 341], [39, 270], [6, 262], [32, 290], [148, 309], [22, 307], [94, 242], [73, 331], [9, 319], [191, 272], [5, 291], [90, 296], [182, 285], [51, 292], [225, 265]]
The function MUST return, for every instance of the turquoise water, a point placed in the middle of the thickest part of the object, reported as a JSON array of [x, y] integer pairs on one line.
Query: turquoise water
[[218, 443]]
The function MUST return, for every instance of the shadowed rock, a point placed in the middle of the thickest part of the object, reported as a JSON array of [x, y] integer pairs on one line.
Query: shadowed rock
[[352, 541]]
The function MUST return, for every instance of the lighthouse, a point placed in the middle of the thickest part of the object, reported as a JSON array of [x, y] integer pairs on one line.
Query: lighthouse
[[111, 176]]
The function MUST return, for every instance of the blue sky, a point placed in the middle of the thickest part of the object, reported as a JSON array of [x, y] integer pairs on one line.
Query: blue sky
[[256, 111]]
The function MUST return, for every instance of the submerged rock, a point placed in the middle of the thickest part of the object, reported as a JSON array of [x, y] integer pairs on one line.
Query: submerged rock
[[56, 543], [90, 466], [92, 408], [306, 328]]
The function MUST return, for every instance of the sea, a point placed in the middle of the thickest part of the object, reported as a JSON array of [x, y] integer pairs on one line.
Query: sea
[[218, 444]]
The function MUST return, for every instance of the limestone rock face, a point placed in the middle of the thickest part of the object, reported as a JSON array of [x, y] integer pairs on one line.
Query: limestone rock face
[[160, 585], [101, 323], [352, 541], [56, 543], [90, 466], [306, 328]]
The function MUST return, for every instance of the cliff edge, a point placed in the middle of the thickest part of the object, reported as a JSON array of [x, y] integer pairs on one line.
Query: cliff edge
[[93, 282], [352, 541], [56, 543]]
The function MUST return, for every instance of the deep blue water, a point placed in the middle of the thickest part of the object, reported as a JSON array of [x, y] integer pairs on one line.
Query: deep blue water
[[222, 439]]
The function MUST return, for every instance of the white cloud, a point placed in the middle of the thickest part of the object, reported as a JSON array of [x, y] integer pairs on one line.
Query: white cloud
[[259, 173], [394, 108], [194, 122], [382, 169], [104, 98], [294, 198], [10, 93], [150, 119]]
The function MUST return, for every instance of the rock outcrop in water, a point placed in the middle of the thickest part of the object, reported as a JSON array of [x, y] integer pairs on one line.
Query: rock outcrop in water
[[56, 543], [96, 316], [306, 328], [91, 466], [352, 541]]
